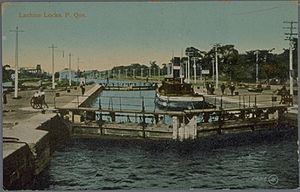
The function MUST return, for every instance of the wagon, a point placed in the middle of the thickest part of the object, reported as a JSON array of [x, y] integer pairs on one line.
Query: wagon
[[36, 102]]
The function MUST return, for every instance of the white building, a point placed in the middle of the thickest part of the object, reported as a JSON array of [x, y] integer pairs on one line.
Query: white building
[[64, 75]]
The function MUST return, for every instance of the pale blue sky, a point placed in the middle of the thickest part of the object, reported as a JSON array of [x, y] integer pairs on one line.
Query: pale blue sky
[[122, 33]]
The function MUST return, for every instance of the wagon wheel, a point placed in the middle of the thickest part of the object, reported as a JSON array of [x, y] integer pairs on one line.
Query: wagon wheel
[[32, 103]]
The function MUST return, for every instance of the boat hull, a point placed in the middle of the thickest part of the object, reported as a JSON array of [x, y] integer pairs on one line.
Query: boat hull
[[181, 103]]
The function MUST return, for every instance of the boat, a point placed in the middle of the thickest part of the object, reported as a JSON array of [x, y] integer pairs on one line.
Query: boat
[[175, 94]]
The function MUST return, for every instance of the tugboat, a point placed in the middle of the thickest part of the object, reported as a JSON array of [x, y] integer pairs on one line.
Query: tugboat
[[175, 94]]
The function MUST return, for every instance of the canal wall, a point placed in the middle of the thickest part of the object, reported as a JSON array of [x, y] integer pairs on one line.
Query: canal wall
[[28, 147], [30, 142], [184, 125]]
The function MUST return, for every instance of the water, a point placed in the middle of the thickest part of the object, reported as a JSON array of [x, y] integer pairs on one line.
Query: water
[[122, 164], [239, 162]]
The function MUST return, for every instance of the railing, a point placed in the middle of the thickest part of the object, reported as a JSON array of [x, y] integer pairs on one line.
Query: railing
[[120, 103], [253, 100], [144, 103]]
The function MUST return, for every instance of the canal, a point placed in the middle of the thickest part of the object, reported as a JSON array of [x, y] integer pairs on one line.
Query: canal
[[268, 161]]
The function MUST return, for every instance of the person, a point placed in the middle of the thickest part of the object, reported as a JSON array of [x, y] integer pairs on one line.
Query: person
[[223, 88], [208, 88], [212, 88], [4, 97], [42, 96], [82, 87], [232, 88], [283, 93]]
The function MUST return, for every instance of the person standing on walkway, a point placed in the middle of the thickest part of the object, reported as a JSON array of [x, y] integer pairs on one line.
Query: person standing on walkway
[[223, 88], [232, 88], [212, 88], [284, 95], [82, 87], [4, 96], [42, 96]]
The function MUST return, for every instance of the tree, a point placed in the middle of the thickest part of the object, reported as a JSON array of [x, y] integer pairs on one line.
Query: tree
[[228, 59], [7, 72]]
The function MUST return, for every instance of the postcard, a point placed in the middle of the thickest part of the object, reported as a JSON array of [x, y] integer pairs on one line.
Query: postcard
[[150, 95]]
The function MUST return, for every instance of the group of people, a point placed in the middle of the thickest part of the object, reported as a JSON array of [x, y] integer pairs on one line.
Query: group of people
[[211, 89], [283, 92], [231, 88], [40, 95]]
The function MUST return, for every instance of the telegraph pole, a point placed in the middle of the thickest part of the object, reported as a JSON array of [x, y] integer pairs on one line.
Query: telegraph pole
[[70, 72], [17, 31], [290, 38], [53, 77], [195, 73], [217, 70], [213, 69], [256, 53], [188, 70]]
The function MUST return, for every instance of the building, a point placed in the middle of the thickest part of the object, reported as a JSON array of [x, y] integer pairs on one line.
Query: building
[[64, 75]]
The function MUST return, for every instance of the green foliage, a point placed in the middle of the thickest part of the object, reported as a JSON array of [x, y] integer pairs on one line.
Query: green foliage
[[6, 72]]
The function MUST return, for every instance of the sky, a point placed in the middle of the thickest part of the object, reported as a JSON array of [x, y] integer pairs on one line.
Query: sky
[[107, 34]]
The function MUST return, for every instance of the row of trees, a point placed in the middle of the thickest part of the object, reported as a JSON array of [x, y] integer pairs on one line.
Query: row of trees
[[242, 66], [233, 65], [137, 69]]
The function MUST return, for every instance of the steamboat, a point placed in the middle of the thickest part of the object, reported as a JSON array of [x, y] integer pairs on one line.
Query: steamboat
[[175, 94]]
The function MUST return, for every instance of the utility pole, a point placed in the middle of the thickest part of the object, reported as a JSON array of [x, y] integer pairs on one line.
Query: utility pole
[[195, 73], [290, 38], [119, 74], [53, 77], [213, 69], [142, 70], [126, 73], [17, 31], [201, 71], [256, 53], [217, 69], [188, 70], [70, 70]]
